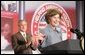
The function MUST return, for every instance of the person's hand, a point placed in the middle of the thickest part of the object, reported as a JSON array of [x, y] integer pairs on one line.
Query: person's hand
[[37, 38], [33, 39], [40, 36], [28, 43]]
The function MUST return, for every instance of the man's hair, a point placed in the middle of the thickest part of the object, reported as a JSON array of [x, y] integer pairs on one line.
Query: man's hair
[[21, 21], [50, 13]]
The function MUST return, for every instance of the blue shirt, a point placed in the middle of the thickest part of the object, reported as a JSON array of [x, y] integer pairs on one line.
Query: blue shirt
[[51, 36]]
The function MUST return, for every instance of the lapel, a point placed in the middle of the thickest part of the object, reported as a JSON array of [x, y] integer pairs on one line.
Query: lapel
[[26, 37], [21, 37]]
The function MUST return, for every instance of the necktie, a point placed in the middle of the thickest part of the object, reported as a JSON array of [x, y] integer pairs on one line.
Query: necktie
[[24, 35]]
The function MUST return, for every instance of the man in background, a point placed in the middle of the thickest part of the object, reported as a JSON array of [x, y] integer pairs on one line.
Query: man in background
[[22, 42]]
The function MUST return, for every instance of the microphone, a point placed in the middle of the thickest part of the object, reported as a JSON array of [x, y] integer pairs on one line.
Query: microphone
[[78, 33]]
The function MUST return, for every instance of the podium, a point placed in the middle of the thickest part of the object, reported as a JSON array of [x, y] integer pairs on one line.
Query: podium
[[67, 46]]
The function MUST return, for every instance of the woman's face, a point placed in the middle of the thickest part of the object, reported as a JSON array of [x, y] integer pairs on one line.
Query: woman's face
[[54, 20], [6, 30]]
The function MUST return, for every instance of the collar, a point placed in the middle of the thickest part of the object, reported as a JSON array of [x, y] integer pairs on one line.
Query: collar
[[22, 32]]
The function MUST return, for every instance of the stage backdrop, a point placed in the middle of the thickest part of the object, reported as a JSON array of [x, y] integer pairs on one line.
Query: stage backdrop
[[10, 15]]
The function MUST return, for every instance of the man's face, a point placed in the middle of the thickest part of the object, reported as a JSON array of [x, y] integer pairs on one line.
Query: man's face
[[23, 26], [54, 20]]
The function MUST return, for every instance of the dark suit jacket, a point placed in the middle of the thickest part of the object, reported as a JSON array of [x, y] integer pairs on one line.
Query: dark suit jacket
[[19, 44]]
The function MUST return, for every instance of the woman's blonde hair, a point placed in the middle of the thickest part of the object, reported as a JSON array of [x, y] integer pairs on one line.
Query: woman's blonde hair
[[50, 13]]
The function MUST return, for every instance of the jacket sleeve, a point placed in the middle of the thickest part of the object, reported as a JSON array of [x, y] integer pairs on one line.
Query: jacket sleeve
[[33, 47], [15, 44]]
